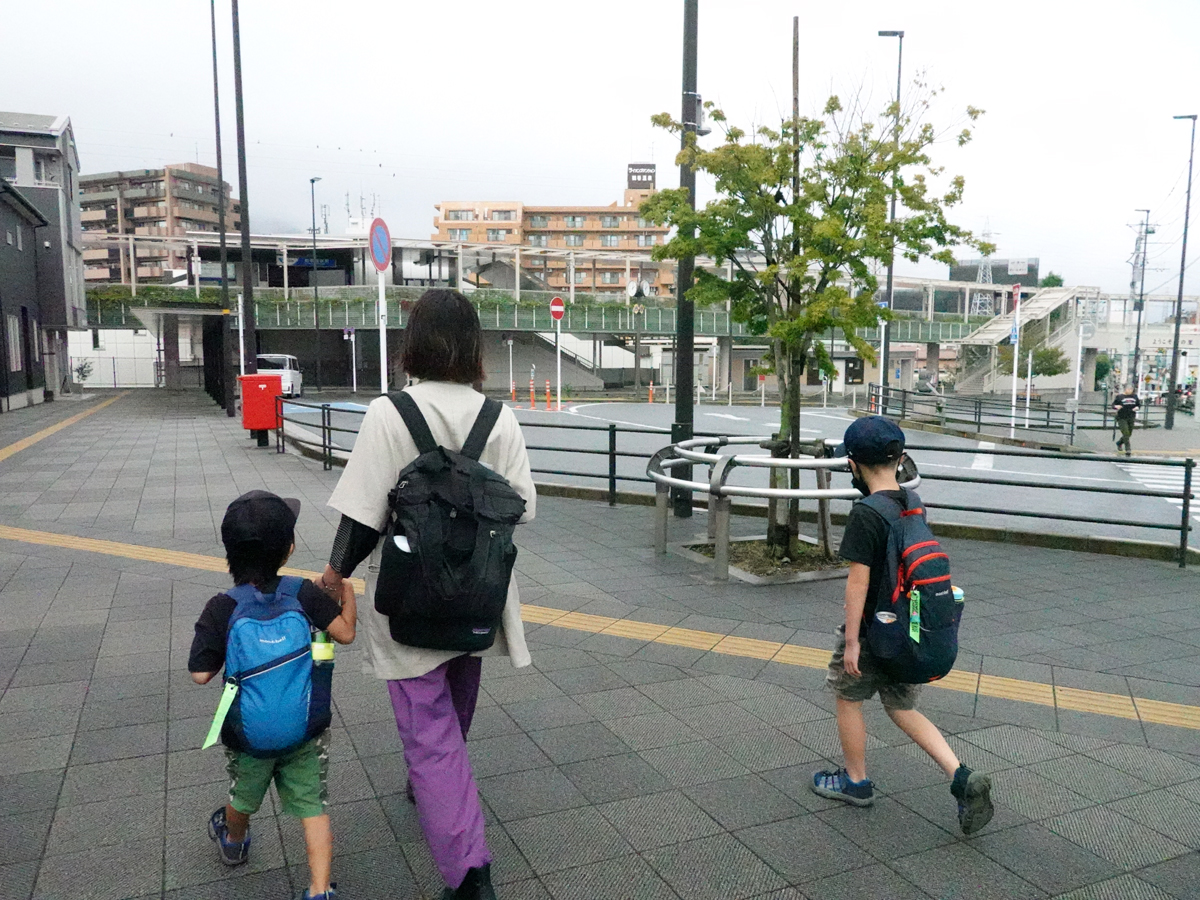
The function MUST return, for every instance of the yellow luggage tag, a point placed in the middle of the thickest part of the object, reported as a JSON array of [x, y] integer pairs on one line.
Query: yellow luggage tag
[[914, 616], [214, 730]]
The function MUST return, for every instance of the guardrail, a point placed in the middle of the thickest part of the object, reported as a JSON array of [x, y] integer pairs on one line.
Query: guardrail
[[610, 450], [720, 494], [979, 412]]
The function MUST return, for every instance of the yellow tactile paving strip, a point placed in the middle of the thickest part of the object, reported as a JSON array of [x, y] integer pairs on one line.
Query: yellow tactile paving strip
[[1096, 702], [25, 443]]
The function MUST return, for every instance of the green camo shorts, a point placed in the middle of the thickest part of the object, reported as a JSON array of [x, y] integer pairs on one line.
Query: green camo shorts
[[854, 690], [299, 778]]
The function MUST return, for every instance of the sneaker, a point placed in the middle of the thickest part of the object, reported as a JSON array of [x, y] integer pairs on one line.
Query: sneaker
[[836, 785], [330, 894], [232, 853], [476, 886], [973, 791]]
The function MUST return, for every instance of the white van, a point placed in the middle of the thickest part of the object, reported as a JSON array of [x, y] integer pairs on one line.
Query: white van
[[288, 367]]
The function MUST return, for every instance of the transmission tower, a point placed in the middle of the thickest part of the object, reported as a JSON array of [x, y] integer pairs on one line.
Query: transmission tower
[[983, 303]]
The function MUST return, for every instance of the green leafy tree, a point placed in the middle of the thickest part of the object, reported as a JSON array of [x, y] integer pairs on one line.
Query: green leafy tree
[[1104, 366], [1046, 361], [801, 217], [1052, 279]]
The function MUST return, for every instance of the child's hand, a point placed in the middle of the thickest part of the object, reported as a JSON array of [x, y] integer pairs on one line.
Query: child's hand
[[850, 659]]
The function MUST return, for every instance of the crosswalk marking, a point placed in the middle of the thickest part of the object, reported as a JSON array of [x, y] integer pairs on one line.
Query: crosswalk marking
[[1158, 479]]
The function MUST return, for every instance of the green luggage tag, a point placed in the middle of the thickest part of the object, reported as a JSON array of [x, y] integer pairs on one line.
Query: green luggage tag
[[914, 616], [214, 731]]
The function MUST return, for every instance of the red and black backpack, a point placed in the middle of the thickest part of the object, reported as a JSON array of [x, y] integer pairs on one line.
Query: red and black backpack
[[914, 631]]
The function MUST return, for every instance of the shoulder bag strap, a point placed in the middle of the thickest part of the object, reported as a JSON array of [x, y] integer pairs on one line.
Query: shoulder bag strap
[[484, 423], [414, 421]]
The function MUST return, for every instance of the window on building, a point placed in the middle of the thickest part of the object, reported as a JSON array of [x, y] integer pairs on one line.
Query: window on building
[[460, 215], [502, 215], [539, 221], [610, 277], [16, 353], [610, 221], [574, 221], [20, 238], [646, 240], [574, 240], [498, 234], [8, 236], [610, 240], [8, 163], [580, 276], [539, 240], [97, 344], [460, 234], [35, 335]]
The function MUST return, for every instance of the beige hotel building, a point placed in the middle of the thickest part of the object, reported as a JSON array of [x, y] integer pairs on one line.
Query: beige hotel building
[[607, 241]]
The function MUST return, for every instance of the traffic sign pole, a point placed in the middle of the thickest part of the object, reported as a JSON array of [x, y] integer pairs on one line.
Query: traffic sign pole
[[557, 310], [1015, 339], [380, 240]]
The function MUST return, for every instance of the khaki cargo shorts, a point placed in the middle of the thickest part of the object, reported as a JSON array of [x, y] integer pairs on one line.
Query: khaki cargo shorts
[[855, 690]]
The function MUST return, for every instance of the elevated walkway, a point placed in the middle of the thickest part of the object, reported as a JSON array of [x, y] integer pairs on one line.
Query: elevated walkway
[[1038, 308]]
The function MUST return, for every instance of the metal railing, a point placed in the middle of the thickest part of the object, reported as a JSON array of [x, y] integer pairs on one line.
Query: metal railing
[[323, 442], [703, 451], [996, 412]]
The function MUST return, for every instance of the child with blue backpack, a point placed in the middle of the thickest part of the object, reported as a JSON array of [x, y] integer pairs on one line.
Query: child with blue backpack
[[269, 634], [901, 624]]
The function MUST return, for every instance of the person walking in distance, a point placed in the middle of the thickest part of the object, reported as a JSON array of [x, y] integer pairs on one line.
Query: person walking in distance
[[1126, 405]]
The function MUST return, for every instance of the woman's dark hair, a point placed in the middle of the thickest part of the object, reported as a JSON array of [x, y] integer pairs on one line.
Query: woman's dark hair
[[443, 340]]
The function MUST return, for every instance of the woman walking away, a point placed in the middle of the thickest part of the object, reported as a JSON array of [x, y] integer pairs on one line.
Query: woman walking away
[[433, 691]]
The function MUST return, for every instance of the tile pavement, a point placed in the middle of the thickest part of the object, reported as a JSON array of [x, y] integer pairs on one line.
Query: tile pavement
[[611, 768]]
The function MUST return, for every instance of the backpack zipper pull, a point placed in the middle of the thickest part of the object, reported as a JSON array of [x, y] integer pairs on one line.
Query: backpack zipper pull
[[914, 616]]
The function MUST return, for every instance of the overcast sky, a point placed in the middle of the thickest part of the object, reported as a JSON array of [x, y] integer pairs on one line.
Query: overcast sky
[[545, 102]]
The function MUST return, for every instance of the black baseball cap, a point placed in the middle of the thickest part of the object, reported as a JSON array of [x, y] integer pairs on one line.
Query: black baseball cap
[[872, 440], [259, 516]]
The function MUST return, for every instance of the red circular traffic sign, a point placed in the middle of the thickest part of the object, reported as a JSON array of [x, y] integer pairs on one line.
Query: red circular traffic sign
[[381, 245], [557, 308]]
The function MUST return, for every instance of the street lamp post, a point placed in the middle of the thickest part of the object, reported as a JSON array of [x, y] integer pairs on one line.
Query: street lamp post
[[249, 313], [227, 376], [312, 188], [1141, 305], [885, 349], [1187, 209]]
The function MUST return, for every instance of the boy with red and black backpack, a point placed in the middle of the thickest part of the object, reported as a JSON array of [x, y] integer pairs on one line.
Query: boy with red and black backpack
[[901, 628]]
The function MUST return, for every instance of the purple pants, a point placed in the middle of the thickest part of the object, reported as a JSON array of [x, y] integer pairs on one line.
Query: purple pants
[[433, 714]]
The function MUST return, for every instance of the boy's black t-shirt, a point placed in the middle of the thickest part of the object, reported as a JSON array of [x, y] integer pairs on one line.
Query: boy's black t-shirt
[[208, 644], [865, 541]]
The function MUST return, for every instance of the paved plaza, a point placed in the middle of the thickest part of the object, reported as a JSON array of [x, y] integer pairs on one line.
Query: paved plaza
[[659, 747]]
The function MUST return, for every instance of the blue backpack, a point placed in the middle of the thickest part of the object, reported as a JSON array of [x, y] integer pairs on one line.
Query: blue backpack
[[282, 697], [914, 632]]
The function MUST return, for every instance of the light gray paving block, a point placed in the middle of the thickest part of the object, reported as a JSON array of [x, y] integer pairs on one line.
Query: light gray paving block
[[1154, 766], [714, 868], [1123, 887], [1020, 745]]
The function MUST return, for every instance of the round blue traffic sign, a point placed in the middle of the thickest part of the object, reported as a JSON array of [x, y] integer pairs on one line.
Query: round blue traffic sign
[[381, 245]]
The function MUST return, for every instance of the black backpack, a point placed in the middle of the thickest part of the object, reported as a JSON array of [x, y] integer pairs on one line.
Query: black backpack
[[914, 632], [447, 589]]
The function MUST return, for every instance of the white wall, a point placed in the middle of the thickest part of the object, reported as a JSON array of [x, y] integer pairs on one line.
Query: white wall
[[127, 358]]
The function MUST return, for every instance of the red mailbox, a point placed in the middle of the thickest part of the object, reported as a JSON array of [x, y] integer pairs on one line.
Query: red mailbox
[[259, 412]]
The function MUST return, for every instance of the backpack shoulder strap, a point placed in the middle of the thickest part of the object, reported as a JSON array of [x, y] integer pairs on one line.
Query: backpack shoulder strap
[[484, 423], [289, 588], [887, 507], [414, 421]]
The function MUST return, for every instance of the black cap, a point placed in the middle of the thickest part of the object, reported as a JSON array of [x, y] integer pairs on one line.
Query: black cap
[[259, 516], [872, 440]]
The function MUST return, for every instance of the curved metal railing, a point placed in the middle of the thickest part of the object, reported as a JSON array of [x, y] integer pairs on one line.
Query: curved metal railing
[[703, 451]]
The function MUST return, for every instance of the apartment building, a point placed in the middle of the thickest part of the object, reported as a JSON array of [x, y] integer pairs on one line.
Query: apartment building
[[38, 156], [607, 243], [166, 202]]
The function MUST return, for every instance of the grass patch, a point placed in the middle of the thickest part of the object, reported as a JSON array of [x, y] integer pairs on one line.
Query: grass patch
[[753, 557]]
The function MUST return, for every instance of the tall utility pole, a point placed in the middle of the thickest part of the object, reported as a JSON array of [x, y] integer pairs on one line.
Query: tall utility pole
[[1144, 240], [885, 350], [1187, 211], [226, 319], [312, 189], [250, 347], [685, 319]]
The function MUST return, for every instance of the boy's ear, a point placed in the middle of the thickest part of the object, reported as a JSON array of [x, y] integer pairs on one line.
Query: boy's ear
[[288, 555]]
